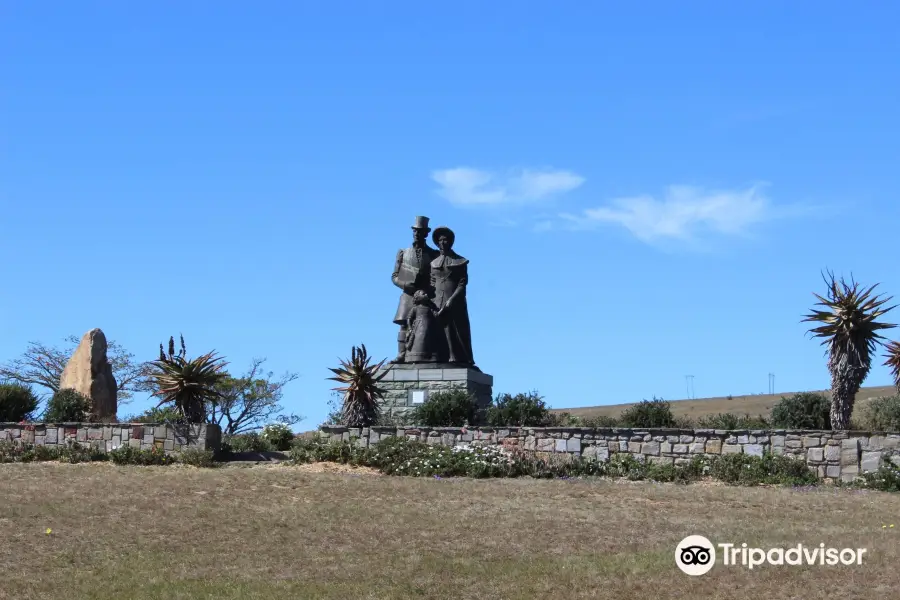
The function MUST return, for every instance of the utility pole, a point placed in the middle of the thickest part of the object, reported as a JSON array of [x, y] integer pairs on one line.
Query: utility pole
[[771, 383], [689, 383]]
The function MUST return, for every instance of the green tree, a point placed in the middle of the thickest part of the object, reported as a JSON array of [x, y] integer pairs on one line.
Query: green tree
[[17, 402]]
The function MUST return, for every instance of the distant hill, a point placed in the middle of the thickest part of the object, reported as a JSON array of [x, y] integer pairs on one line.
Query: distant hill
[[752, 405]]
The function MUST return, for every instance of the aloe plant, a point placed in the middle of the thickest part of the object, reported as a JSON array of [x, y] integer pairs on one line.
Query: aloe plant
[[187, 384], [362, 394], [849, 327]]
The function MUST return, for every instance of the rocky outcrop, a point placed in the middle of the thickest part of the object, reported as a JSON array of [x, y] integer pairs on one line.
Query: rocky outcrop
[[90, 373]]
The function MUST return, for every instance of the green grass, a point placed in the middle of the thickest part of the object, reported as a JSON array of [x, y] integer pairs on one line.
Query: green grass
[[324, 531]]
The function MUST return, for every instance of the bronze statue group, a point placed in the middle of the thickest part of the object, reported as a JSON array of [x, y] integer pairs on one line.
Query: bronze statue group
[[432, 313]]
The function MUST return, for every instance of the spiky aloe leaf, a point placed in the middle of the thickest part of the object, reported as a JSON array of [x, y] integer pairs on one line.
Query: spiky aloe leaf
[[893, 361]]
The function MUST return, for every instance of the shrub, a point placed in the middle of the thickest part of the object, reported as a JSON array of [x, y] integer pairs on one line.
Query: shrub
[[68, 406], [742, 469], [648, 413], [278, 435], [883, 414], [885, 479], [806, 410], [521, 410], [128, 455], [600, 422], [731, 421], [17, 402], [248, 442], [73, 452], [165, 414], [318, 449], [453, 408], [197, 458]]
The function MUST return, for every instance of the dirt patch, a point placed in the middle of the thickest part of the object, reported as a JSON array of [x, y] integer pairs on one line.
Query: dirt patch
[[330, 467]]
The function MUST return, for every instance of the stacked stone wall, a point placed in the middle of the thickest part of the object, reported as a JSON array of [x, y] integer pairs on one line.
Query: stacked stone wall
[[842, 455], [143, 436]]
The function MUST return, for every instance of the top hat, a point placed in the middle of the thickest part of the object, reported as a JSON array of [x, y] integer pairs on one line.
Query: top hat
[[439, 231], [422, 223]]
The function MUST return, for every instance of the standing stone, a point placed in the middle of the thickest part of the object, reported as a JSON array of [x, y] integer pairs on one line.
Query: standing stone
[[89, 372]]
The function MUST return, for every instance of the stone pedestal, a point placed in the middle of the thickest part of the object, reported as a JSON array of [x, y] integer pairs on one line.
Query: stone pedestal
[[407, 385]]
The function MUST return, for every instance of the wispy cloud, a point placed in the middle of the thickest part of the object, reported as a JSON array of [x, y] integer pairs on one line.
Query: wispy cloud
[[465, 186], [686, 213]]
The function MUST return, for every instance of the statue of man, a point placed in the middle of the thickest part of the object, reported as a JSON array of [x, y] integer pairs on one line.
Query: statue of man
[[412, 272]]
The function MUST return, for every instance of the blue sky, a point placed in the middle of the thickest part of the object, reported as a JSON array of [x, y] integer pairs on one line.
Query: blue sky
[[644, 192]]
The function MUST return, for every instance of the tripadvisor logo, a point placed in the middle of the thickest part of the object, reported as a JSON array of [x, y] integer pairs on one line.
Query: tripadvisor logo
[[696, 555]]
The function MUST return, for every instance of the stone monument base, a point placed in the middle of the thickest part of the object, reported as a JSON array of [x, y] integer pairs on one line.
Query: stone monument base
[[408, 384]]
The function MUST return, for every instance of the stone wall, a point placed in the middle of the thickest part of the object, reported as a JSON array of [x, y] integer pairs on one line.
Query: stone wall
[[108, 436], [407, 385], [832, 455]]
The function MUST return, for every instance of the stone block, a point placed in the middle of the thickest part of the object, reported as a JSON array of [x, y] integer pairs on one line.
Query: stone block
[[870, 462], [832, 471], [849, 473], [661, 460], [815, 454], [135, 443], [680, 448], [431, 374], [454, 374], [51, 435], [743, 439], [714, 446], [573, 445], [732, 449], [753, 449], [811, 442], [665, 447], [833, 453], [634, 447], [406, 375], [777, 440], [650, 448], [698, 448], [546, 444]]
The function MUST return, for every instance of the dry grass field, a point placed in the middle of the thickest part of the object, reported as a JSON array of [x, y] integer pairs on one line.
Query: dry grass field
[[752, 405], [319, 532]]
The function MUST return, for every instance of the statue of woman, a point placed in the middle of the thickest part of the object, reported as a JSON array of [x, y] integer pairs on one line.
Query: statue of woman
[[449, 277]]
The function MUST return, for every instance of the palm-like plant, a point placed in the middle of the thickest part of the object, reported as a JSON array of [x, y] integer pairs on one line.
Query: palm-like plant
[[850, 330], [893, 361], [186, 384], [362, 395]]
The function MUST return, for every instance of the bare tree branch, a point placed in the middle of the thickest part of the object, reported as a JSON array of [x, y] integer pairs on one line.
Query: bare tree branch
[[249, 402]]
